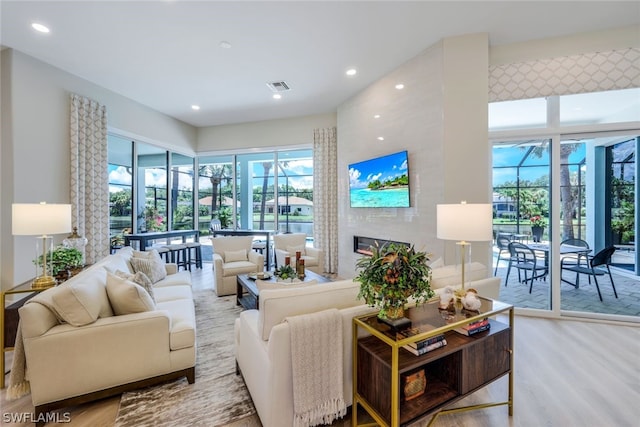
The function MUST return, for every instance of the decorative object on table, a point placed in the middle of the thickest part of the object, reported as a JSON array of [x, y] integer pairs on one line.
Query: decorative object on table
[[447, 299], [537, 227], [300, 269], [74, 240], [470, 300], [65, 262], [413, 385], [285, 272], [465, 223], [43, 220], [390, 276]]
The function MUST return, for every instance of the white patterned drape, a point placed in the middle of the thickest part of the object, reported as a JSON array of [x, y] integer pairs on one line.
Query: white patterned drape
[[325, 195], [89, 176]]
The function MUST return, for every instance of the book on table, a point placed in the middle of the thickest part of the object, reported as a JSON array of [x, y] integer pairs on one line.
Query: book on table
[[419, 352], [474, 327], [407, 333]]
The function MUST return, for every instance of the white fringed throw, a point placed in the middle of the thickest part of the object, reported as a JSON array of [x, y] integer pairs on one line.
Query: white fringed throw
[[18, 383], [316, 358]]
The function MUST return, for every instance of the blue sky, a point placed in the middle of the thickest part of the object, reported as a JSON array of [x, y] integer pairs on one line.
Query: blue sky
[[382, 168]]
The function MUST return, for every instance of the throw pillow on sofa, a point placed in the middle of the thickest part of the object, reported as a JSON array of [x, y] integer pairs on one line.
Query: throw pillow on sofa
[[153, 268], [78, 304], [139, 278], [127, 297], [232, 256], [293, 249]]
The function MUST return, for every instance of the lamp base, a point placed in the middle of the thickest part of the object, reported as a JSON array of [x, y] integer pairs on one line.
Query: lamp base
[[43, 282]]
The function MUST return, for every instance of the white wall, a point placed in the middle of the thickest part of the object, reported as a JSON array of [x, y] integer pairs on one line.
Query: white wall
[[266, 134], [440, 118], [35, 142]]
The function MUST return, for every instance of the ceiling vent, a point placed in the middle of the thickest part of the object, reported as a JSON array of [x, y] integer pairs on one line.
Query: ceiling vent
[[279, 86]]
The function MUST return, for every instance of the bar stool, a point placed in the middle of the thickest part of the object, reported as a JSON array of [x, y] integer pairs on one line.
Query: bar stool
[[178, 254], [194, 254], [164, 253]]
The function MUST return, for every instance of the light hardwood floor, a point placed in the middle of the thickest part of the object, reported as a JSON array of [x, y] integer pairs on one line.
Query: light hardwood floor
[[567, 373]]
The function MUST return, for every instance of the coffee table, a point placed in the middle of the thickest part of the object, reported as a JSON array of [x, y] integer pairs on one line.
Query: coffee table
[[248, 295]]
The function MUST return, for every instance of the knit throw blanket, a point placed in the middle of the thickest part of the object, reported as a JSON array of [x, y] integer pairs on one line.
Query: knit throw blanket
[[18, 379], [18, 383], [316, 358]]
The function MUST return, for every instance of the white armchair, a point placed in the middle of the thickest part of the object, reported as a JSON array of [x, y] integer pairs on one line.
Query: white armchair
[[232, 255], [288, 244]]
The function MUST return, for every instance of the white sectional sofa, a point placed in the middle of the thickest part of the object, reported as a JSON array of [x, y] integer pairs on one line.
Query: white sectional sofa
[[105, 354], [263, 348]]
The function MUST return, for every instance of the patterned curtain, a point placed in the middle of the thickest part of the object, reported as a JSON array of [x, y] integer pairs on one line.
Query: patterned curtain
[[325, 195], [89, 179]]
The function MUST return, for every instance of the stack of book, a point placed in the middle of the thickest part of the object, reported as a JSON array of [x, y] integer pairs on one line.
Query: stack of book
[[474, 327], [423, 346]]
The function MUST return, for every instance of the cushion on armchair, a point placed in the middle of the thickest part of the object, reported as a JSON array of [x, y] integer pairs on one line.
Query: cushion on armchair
[[232, 256]]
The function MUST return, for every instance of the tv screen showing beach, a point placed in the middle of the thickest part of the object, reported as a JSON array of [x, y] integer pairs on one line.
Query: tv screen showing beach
[[382, 182]]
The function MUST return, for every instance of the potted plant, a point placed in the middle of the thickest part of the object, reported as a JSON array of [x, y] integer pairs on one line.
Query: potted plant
[[537, 227], [391, 275], [285, 272], [63, 260]]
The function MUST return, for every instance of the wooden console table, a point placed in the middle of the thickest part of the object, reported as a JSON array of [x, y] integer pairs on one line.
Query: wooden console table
[[452, 372]]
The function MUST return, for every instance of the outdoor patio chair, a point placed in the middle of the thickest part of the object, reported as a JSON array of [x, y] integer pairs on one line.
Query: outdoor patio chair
[[577, 258], [502, 242], [524, 259], [602, 258]]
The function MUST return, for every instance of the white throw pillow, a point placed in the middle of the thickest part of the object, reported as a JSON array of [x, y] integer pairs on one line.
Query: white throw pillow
[[263, 284], [127, 297], [139, 278], [78, 304], [153, 268], [231, 256], [293, 249]]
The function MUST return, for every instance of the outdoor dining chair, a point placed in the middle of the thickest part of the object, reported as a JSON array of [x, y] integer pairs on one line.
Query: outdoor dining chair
[[524, 259], [502, 242], [602, 258]]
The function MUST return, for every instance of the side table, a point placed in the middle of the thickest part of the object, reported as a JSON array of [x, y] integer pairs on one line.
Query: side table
[[9, 320]]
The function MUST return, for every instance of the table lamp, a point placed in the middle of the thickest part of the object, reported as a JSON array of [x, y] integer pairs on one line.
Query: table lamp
[[465, 223], [43, 220]]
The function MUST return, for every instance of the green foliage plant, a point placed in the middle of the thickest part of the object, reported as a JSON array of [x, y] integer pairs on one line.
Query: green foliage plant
[[286, 272], [391, 275], [62, 258]]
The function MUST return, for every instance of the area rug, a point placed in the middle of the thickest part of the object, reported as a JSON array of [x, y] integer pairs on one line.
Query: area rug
[[217, 398]]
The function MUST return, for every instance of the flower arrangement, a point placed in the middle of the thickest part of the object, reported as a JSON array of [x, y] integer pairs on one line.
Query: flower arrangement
[[391, 275], [538, 221], [285, 272]]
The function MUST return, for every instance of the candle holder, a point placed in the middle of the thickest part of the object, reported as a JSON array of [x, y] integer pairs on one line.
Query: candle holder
[[300, 269]]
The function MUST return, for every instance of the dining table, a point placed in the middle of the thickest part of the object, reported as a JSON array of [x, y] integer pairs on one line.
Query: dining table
[[565, 249]]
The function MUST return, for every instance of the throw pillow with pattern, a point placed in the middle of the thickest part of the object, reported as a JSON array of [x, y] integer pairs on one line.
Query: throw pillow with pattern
[[140, 278], [153, 268]]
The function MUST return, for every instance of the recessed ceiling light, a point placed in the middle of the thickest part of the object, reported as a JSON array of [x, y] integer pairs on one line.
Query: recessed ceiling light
[[377, 116], [381, 138], [352, 72], [225, 45], [195, 107], [277, 96], [400, 86], [40, 28]]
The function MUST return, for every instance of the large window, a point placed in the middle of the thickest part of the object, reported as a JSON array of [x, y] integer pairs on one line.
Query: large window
[[181, 192], [575, 169], [262, 191], [120, 168]]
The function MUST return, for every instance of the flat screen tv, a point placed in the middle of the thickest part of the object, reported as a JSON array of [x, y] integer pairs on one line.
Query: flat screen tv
[[382, 182]]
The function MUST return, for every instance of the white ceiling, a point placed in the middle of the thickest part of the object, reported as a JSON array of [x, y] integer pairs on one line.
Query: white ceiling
[[166, 54]]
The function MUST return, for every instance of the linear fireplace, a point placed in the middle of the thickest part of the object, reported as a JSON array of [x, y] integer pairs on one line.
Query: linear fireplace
[[362, 245]]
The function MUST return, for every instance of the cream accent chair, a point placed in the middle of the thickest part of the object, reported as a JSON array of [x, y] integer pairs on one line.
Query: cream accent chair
[[232, 255], [288, 244]]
